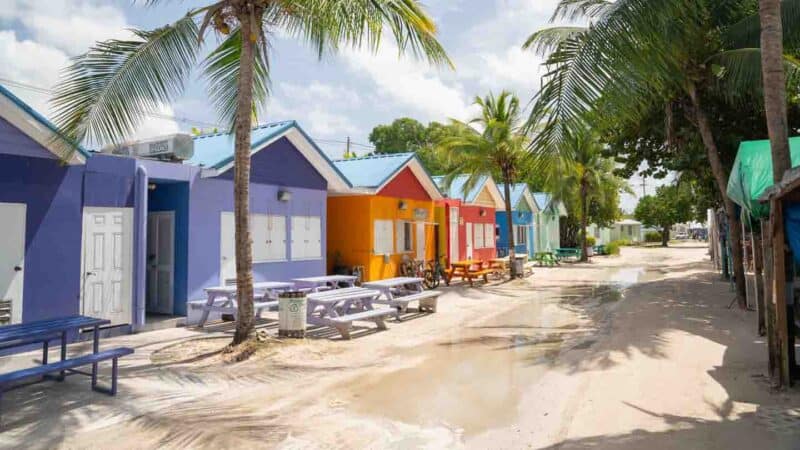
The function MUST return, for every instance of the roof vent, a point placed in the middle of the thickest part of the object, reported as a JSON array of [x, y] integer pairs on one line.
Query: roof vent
[[174, 147]]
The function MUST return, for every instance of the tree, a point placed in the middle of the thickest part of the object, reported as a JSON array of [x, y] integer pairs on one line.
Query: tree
[[492, 143], [583, 179], [637, 53], [409, 135], [774, 85], [108, 91], [671, 205]]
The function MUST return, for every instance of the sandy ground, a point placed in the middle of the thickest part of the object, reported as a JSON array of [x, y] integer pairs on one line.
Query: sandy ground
[[638, 351]]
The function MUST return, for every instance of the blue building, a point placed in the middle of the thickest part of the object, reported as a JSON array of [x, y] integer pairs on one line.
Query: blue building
[[523, 209]]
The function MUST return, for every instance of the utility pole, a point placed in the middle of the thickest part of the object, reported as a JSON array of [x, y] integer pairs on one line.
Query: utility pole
[[644, 186], [347, 149]]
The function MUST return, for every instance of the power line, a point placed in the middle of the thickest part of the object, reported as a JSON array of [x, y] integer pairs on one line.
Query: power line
[[186, 120]]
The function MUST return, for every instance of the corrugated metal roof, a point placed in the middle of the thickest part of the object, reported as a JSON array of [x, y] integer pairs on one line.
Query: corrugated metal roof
[[457, 187], [214, 151], [372, 171], [517, 191], [542, 199]]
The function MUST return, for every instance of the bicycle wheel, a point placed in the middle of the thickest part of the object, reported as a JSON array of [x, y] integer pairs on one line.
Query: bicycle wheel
[[430, 280]]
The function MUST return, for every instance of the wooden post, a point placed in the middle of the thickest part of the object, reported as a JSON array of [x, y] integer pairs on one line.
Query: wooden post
[[779, 291], [758, 266], [769, 305]]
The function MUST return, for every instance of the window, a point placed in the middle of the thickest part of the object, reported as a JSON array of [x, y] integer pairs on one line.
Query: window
[[520, 235], [488, 235], [404, 237], [306, 237], [478, 234], [383, 244]]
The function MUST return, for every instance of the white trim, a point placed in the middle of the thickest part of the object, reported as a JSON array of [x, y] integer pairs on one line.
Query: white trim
[[528, 197], [34, 129], [494, 192], [336, 182], [422, 176]]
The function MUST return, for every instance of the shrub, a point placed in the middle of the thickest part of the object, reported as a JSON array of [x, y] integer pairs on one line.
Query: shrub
[[590, 241], [652, 236], [612, 248]]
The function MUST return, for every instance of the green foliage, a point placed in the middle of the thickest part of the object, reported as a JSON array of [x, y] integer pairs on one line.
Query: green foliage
[[612, 248], [590, 241], [652, 236], [672, 204], [409, 135]]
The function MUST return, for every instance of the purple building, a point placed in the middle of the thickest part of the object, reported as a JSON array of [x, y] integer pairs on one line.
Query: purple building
[[134, 239]]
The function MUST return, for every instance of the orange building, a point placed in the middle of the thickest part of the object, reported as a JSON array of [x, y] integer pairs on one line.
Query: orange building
[[385, 218]]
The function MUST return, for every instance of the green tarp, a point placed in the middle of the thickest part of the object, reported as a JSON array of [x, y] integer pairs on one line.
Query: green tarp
[[752, 174]]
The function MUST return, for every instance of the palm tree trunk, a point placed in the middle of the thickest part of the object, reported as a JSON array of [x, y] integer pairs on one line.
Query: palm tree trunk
[[510, 225], [707, 136], [241, 187], [774, 86], [584, 220]]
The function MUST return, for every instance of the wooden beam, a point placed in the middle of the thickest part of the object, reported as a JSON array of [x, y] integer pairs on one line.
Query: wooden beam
[[779, 291], [769, 304]]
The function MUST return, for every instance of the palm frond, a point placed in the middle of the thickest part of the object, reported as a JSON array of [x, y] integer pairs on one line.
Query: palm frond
[[547, 40], [747, 32], [221, 69], [107, 92], [573, 10], [329, 25], [739, 74]]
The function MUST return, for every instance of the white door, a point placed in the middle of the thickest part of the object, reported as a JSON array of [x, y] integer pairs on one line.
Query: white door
[[160, 265], [227, 249], [454, 256], [420, 241], [469, 241], [108, 264], [12, 261]]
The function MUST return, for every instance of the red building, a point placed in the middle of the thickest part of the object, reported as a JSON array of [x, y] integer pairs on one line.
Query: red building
[[466, 218]]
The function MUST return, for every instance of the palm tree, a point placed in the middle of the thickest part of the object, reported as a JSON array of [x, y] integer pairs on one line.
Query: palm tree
[[636, 53], [582, 175], [493, 143], [774, 86], [106, 93]]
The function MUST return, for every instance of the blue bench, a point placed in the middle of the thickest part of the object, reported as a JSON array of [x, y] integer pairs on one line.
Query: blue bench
[[12, 379]]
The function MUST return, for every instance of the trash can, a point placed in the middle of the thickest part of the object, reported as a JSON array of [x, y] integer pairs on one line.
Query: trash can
[[519, 265], [292, 314]]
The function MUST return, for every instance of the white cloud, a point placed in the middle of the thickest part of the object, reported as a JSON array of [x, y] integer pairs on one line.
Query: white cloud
[[59, 29], [515, 69], [413, 87], [69, 25]]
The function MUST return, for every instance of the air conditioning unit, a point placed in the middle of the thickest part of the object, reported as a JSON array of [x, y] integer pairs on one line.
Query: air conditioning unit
[[175, 147]]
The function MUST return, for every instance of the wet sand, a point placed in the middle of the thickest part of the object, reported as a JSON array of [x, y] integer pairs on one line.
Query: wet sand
[[628, 352]]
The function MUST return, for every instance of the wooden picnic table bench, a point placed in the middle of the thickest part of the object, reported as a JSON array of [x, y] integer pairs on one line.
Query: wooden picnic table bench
[[398, 292], [468, 270], [43, 332], [334, 308], [222, 299], [321, 283]]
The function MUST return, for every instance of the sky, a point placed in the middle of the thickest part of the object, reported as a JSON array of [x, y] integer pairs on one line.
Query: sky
[[341, 95]]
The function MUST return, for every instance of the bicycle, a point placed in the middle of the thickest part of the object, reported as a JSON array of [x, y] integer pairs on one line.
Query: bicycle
[[433, 274]]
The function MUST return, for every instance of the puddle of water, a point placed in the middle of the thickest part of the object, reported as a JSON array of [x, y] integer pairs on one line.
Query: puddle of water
[[626, 277], [469, 383]]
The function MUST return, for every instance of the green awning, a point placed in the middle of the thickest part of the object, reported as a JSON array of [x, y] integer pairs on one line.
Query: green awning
[[752, 174]]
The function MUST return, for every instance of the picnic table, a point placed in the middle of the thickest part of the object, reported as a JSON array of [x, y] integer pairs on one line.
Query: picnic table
[[44, 331], [339, 308], [545, 258], [600, 249], [563, 253], [321, 283], [398, 292], [464, 270], [265, 293]]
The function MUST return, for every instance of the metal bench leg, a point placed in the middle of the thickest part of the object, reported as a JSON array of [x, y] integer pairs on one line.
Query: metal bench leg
[[114, 376], [63, 373], [45, 351]]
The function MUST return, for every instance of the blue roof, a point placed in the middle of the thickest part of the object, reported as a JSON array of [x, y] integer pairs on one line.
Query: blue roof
[[457, 187], [517, 191], [372, 171], [542, 199], [38, 117], [214, 151]]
